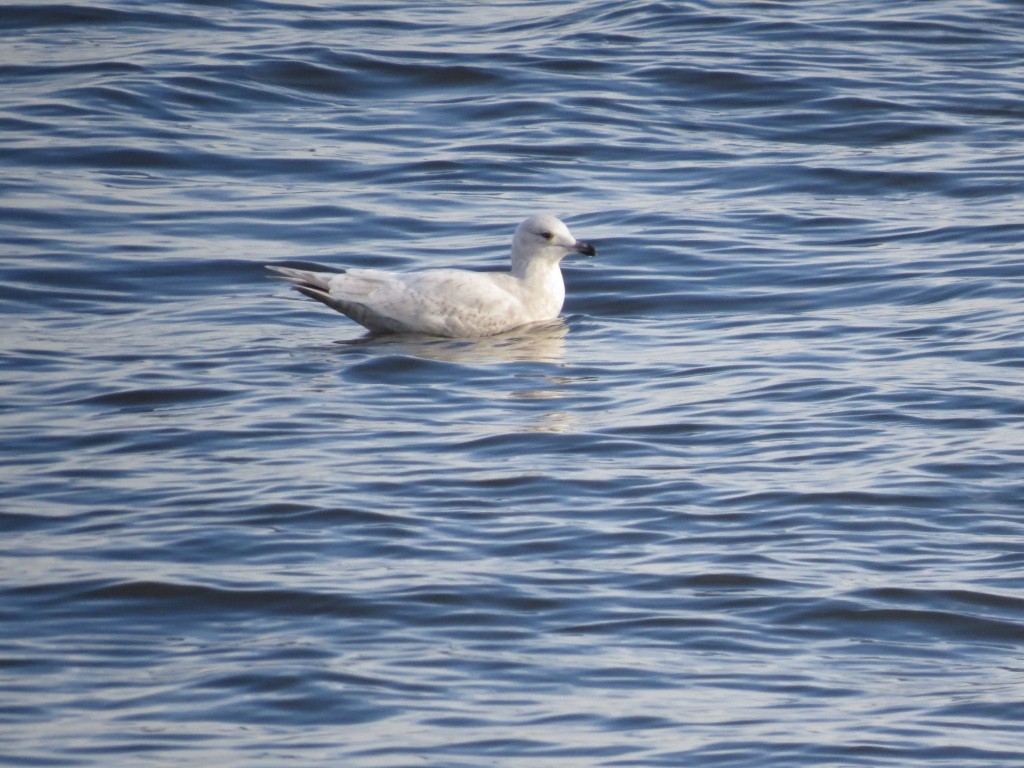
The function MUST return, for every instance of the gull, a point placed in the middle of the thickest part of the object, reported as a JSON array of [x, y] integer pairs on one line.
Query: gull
[[456, 303]]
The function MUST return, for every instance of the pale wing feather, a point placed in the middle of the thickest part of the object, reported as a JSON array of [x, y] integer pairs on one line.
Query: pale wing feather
[[445, 302]]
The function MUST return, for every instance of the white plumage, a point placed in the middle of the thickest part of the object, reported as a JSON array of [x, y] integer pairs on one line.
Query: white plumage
[[454, 302]]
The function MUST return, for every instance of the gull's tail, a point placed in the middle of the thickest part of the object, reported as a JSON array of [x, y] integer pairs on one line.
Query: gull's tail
[[316, 285], [352, 292]]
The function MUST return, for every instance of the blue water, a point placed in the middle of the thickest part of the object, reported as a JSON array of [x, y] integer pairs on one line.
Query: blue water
[[757, 500]]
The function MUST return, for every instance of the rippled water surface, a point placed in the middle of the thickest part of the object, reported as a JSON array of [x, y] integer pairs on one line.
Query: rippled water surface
[[756, 499]]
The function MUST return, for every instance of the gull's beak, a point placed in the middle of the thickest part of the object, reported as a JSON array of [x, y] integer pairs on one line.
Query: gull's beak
[[585, 248]]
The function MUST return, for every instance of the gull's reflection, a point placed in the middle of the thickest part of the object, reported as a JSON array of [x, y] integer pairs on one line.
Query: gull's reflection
[[537, 343], [558, 422]]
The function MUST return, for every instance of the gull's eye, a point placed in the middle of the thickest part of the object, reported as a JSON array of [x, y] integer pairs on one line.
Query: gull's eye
[[546, 235]]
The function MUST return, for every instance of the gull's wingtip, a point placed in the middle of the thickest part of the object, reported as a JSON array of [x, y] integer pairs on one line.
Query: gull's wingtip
[[304, 279], [286, 272]]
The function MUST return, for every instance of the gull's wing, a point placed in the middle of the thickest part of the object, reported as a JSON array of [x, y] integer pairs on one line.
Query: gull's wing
[[441, 302]]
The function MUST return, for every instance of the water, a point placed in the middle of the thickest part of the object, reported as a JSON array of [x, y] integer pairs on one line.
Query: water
[[756, 500]]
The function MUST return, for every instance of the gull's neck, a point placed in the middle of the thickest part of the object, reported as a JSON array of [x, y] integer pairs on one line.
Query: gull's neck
[[533, 270], [543, 288]]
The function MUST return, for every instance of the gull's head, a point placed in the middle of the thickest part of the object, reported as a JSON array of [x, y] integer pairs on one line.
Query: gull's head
[[544, 237]]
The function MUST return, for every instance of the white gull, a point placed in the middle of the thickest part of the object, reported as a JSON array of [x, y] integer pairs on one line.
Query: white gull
[[454, 302]]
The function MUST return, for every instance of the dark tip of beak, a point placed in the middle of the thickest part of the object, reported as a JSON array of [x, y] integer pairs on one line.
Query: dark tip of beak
[[585, 248]]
